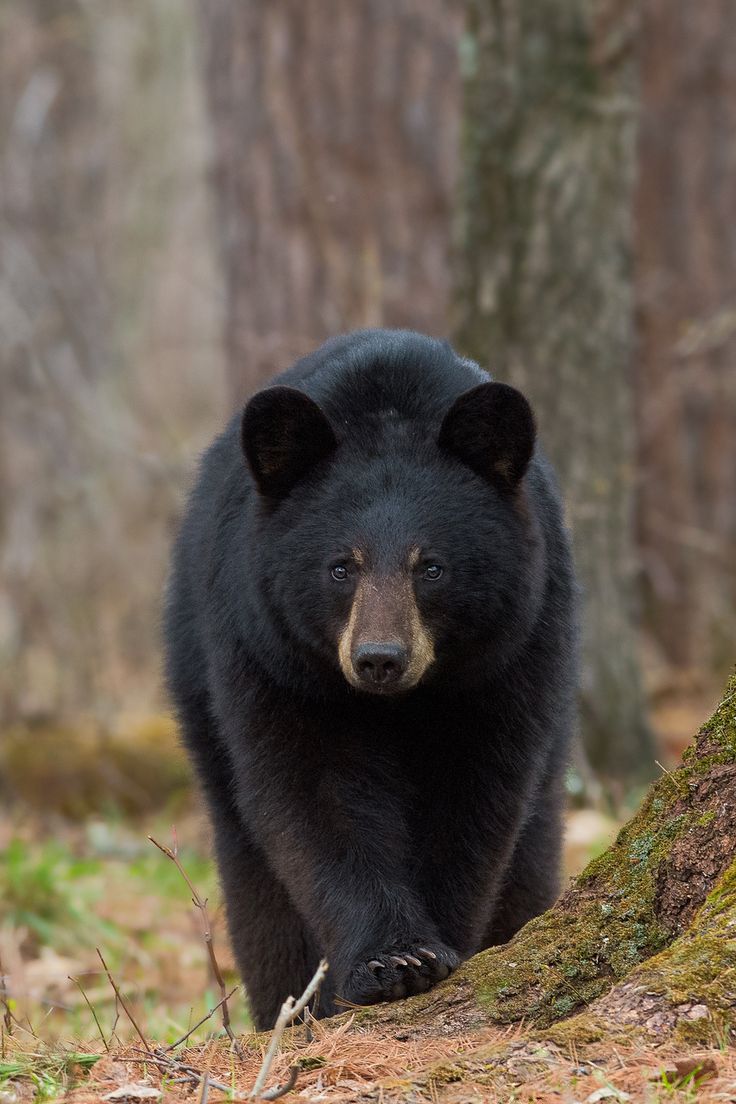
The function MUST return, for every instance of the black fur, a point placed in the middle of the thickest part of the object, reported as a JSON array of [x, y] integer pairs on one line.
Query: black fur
[[352, 825]]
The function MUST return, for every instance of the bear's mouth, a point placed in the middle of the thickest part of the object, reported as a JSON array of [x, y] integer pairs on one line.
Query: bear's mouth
[[382, 690]]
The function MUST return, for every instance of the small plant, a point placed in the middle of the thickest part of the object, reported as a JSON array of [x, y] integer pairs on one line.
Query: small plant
[[687, 1076]]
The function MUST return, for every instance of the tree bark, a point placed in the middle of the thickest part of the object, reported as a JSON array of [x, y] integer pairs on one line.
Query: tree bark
[[644, 936], [543, 297], [334, 156], [686, 307]]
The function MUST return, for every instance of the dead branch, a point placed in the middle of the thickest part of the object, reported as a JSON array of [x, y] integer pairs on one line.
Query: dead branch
[[281, 1090], [209, 942], [191, 1074], [78, 984], [204, 1019], [123, 1005], [289, 1011], [114, 1028]]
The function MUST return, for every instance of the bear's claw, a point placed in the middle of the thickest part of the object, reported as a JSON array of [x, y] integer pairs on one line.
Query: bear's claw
[[398, 973]]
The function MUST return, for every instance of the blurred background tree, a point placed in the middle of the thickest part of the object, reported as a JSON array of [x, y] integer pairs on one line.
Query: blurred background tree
[[544, 298], [335, 154], [138, 304], [686, 325], [111, 369]]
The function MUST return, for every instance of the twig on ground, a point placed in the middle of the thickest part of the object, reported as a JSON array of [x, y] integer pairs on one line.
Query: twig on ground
[[114, 1028], [308, 1017], [207, 933], [205, 1088], [78, 984], [192, 1074], [30, 1025], [290, 1009], [123, 1005], [281, 1090], [204, 1019], [7, 1014]]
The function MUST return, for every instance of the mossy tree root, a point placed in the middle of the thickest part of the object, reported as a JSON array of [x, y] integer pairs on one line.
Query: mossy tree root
[[663, 895], [687, 991]]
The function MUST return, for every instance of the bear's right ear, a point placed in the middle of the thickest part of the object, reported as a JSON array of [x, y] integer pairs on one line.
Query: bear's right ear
[[284, 434]]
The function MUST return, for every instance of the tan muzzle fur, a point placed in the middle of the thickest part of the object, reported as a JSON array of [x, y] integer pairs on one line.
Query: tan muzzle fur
[[384, 610]]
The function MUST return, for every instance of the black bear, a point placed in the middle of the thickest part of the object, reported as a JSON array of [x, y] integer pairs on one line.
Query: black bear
[[370, 630]]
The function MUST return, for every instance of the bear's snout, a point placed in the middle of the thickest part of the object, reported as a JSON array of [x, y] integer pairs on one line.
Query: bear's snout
[[380, 666], [384, 647]]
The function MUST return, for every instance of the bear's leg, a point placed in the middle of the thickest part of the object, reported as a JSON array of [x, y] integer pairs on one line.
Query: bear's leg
[[275, 953], [532, 879]]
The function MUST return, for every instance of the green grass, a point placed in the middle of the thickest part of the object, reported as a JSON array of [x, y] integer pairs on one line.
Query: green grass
[[50, 1072], [110, 888], [50, 893]]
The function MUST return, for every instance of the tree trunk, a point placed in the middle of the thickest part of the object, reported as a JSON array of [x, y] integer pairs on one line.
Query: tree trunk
[[56, 317], [642, 937], [333, 168], [686, 300], [543, 297], [106, 373]]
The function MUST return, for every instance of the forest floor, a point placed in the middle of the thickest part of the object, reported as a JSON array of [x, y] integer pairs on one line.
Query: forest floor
[[69, 888], [107, 886], [346, 1062], [66, 891]]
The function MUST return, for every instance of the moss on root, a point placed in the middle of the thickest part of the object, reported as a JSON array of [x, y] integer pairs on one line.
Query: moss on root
[[698, 972], [625, 909], [610, 920], [687, 991], [564, 960], [716, 742]]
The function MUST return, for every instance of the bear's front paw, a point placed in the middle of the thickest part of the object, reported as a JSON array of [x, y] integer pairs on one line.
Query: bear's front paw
[[399, 971]]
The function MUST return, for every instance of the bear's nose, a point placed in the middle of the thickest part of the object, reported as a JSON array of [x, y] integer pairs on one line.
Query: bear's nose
[[380, 663]]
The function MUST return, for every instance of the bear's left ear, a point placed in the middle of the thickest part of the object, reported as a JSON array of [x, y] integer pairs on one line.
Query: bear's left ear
[[284, 434], [491, 429]]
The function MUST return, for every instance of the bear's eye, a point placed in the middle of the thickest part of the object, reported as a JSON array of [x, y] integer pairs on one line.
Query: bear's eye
[[339, 572], [433, 572]]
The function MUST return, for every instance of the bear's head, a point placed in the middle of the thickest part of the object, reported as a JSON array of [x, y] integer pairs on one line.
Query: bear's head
[[398, 550]]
